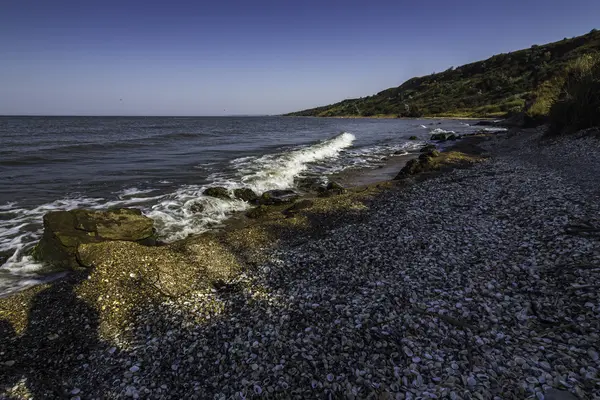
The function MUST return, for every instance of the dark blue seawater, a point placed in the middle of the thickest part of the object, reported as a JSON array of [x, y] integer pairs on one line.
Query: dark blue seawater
[[162, 165]]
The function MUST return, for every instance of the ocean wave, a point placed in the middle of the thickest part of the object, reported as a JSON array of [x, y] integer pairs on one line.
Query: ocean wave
[[277, 171], [440, 130], [494, 129], [188, 211]]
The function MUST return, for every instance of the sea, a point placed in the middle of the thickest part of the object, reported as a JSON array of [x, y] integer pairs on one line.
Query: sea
[[162, 165]]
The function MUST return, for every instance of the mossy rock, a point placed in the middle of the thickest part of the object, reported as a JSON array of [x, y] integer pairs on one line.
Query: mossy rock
[[257, 212], [413, 137], [452, 137], [412, 167], [245, 194], [439, 137], [276, 197], [65, 231], [217, 191]]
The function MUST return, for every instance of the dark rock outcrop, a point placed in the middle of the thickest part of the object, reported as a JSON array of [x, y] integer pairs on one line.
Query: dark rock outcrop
[[412, 167], [332, 189], [65, 231], [218, 192], [276, 197], [413, 138], [245, 194]]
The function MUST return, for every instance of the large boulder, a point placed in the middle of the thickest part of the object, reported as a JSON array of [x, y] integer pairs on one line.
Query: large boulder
[[276, 197], [439, 136], [412, 167], [217, 191], [245, 194], [65, 231]]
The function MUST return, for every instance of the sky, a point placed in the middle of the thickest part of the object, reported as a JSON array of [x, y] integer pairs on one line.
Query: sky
[[232, 57]]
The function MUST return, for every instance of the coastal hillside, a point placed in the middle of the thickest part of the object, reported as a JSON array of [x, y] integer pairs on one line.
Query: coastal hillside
[[501, 85]]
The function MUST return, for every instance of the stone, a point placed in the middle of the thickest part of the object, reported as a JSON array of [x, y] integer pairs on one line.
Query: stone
[[332, 189], [555, 394], [65, 231], [218, 192], [412, 167], [413, 138], [439, 136], [276, 197], [245, 194]]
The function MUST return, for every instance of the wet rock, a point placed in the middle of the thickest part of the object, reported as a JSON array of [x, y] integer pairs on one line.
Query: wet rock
[[217, 191], [275, 197], [428, 148], [65, 231], [245, 194], [332, 189], [197, 208], [413, 138], [440, 136], [308, 184], [4, 256]]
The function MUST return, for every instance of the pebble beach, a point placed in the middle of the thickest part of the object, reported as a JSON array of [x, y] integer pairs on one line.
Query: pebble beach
[[476, 283]]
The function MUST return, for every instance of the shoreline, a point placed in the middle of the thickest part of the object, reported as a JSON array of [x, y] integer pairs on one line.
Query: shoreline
[[407, 272], [402, 118]]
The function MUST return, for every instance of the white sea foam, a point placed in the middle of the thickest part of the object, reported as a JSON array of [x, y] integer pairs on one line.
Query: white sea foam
[[277, 171], [21, 228], [423, 126], [130, 192], [188, 211], [440, 130], [494, 129]]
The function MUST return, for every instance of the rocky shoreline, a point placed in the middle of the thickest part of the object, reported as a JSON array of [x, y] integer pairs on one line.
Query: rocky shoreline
[[474, 277]]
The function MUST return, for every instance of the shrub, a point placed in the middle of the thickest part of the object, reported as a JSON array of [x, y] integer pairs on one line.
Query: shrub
[[578, 105]]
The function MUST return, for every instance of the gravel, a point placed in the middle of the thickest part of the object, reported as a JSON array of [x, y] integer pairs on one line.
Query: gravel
[[477, 284]]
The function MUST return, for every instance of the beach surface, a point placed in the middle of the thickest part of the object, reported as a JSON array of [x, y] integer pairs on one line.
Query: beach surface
[[473, 282]]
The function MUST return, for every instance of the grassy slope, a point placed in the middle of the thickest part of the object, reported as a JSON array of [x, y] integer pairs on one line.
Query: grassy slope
[[490, 88]]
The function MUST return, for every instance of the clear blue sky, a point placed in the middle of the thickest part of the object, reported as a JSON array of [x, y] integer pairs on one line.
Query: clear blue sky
[[106, 57]]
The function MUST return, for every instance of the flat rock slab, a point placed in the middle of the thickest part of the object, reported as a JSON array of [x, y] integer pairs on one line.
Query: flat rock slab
[[64, 231]]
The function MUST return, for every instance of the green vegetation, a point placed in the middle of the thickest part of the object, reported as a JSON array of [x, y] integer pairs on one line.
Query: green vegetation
[[497, 87], [577, 106]]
